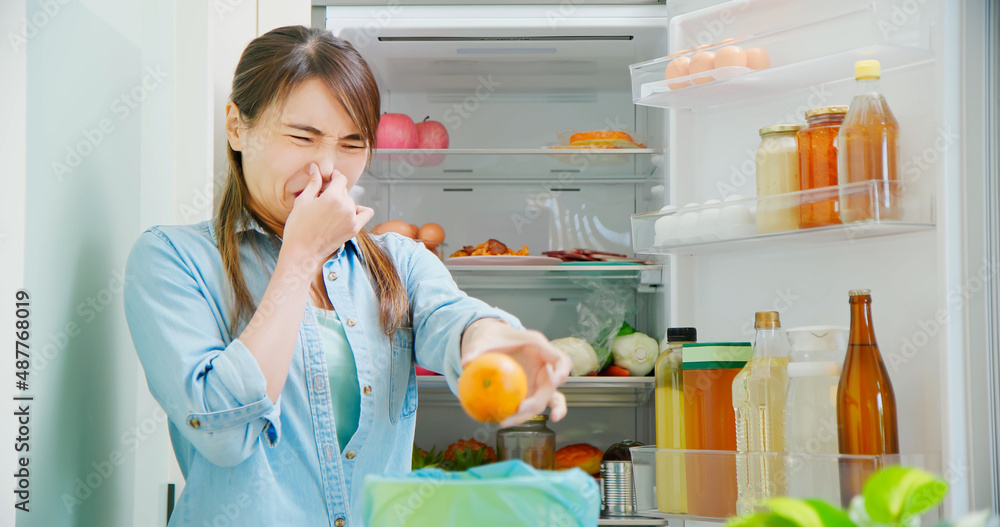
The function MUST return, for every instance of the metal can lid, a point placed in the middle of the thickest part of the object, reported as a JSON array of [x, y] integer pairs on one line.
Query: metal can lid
[[539, 417], [780, 128], [825, 110]]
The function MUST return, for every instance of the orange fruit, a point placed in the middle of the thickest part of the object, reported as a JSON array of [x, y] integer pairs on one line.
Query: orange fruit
[[491, 387]]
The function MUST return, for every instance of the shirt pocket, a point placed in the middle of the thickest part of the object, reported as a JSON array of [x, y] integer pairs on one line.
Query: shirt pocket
[[402, 378]]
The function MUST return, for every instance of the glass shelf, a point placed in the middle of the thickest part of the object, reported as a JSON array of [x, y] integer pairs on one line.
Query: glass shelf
[[563, 166], [801, 55], [579, 391], [707, 478], [770, 221], [550, 276], [633, 521], [512, 151]]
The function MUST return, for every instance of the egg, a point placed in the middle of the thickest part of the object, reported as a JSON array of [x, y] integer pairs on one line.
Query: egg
[[702, 62], [665, 230], [431, 234], [396, 226], [736, 220], [676, 54], [687, 227], [703, 46], [708, 225], [730, 56], [757, 59], [678, 68]]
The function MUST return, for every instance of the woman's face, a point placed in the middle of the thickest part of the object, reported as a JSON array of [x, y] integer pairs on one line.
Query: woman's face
[[311, 128]]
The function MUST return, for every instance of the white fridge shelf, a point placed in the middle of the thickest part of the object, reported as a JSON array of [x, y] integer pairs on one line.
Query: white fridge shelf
[[514, 151], [874, 209], [802, 55], [554, 276], [558, 165], [579, 391]]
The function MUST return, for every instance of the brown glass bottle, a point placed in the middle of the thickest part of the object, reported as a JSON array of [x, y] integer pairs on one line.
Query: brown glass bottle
[[866, 406]]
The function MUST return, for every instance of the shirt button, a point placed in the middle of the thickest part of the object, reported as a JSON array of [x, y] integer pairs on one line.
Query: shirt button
[[332, 275], [351, 322], [349, 454], [340, 522], [195, 423], [318, 384], [329, 452], [367, 389]]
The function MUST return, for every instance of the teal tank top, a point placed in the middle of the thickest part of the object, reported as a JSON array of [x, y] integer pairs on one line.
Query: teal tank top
[[345, 391]]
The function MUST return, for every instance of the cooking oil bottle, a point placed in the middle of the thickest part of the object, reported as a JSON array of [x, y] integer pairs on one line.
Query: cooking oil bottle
[[868, 150], [671, 496], [759, 393]]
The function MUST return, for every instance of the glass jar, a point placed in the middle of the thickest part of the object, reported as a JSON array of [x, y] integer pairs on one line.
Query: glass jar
[[818, 166], [777, 160], [531, 442]]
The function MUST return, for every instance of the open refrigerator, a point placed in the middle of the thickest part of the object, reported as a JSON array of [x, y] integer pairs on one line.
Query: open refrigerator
[[509, 81]]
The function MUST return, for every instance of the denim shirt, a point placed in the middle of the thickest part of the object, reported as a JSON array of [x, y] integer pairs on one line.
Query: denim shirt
[[245, 460]]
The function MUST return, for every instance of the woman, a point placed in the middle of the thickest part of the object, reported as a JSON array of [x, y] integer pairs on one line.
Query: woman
[[280, 337]]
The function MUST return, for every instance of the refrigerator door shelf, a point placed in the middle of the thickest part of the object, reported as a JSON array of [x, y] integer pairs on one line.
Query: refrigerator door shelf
[[800, 55], [711, 496], [736, 225]]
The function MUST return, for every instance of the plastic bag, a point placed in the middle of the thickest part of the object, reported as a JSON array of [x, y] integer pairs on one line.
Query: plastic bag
[[507, 494], [601, 313]]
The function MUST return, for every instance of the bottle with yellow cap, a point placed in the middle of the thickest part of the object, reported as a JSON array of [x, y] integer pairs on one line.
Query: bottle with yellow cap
[[868, 150], [759, 393]]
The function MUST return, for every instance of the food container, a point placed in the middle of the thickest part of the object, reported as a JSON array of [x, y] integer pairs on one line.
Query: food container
[[532, 442], [710, 424], [817, 144], [617, 489], [777, 160]]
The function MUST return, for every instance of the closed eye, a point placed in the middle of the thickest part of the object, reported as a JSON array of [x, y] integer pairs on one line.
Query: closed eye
[[300, 138]]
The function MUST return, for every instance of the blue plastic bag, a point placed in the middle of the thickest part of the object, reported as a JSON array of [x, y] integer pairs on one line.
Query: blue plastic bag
[[505, 494]]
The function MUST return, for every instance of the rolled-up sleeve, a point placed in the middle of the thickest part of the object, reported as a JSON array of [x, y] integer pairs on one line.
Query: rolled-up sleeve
[[441, 312], [213, 392]]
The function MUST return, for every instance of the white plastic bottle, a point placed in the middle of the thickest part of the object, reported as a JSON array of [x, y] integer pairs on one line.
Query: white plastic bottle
[[811, 411]]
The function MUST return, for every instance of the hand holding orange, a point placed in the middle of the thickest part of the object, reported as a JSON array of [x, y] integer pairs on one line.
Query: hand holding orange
[[492, 387]]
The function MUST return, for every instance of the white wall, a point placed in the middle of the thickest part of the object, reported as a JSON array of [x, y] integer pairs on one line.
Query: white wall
[[13, 62], [110, 126]]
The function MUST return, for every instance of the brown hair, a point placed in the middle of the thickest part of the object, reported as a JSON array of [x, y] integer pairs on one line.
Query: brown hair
[[270, 67]]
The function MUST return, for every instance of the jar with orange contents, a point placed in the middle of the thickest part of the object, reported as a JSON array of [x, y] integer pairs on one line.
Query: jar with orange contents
[[818, 166]]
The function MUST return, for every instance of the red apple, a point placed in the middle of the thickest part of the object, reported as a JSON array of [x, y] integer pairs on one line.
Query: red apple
[[396, 130], [430, 135]]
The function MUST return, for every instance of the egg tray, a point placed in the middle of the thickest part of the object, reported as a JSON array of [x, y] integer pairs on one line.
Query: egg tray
[[716, 223], [652, 88]]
